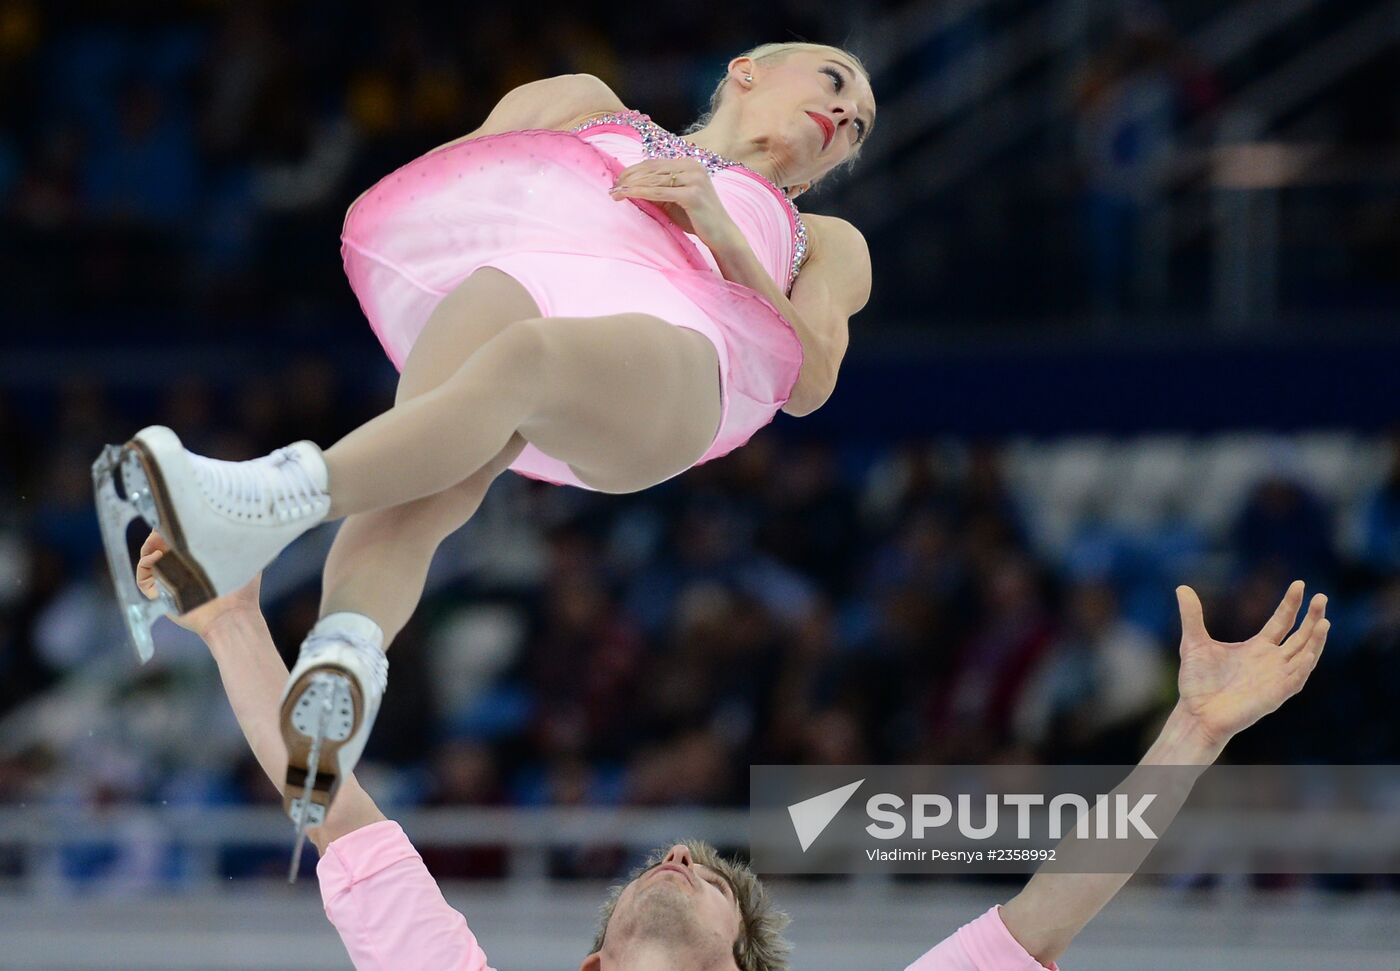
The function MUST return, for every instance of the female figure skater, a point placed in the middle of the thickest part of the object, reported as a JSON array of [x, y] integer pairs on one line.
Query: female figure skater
[[571, 292]]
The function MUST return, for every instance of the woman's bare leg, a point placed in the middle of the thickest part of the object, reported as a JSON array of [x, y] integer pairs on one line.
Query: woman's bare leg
[[627, 400], [379, 561]]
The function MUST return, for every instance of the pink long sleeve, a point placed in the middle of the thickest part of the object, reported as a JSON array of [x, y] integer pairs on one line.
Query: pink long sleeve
[[982, 945], [388, 909]]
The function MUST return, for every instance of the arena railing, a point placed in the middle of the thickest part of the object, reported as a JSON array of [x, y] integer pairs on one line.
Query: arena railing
[[33, 839]]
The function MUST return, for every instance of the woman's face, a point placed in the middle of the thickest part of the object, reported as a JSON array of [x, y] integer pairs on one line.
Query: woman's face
[[785, 104]]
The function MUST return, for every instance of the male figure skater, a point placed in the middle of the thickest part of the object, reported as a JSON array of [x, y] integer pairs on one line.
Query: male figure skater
[[689, 909]]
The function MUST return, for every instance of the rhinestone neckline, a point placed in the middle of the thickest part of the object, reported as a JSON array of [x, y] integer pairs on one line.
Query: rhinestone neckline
[[658, 142]]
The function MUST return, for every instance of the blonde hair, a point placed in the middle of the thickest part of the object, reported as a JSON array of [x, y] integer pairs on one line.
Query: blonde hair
[[774, 53], [760, 945]]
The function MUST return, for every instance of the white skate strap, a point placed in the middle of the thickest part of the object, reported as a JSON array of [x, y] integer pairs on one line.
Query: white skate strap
[[373, 660]]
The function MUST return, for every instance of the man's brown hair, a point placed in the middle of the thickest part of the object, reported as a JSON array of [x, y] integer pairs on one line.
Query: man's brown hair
[[760, 945]]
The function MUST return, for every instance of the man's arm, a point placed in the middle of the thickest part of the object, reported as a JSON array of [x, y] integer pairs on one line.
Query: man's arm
[[384, 903], [1225, 688], [254, 676]]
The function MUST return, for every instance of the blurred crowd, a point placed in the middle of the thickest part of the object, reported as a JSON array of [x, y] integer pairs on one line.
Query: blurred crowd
[[199, 157], [1084, 183], [789, 603]]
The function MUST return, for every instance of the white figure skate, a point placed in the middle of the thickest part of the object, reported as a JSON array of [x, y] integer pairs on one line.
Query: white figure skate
[[328, 707], [223, 521]]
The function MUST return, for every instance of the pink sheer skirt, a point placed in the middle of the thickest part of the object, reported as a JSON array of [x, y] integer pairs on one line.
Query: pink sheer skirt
[[535, 205]]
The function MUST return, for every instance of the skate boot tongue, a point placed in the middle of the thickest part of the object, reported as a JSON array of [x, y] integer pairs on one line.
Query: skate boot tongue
[[285, 485]]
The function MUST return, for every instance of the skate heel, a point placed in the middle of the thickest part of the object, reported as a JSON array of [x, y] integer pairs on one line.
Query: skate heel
[[146, 491], [123, 493], [321, 711]]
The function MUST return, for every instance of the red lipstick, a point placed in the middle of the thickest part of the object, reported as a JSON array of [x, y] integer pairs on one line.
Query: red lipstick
[[826, 124]]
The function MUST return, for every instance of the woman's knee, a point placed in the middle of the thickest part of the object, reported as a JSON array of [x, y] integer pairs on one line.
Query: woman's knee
[[515, 364], [417, 528], [412, 532], [438, 516], [464, 321], [528, 343]]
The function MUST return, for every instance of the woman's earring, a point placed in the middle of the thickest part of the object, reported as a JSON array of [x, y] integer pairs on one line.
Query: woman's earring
[[748, 77]]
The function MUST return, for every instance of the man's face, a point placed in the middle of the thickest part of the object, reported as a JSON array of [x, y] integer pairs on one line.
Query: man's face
[[676, 905]]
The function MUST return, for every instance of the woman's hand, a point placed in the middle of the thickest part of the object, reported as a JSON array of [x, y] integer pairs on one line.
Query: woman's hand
[[685, 192], [202, 618], [1225, 688]]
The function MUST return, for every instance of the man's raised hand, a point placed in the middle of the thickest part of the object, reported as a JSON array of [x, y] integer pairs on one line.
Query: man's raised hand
[[1226, 687]]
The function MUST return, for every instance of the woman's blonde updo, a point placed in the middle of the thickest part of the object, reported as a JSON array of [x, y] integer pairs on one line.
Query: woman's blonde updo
[[771, 53]]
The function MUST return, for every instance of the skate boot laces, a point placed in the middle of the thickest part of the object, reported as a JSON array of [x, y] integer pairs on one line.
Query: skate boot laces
[[375, 661], [277, 487]]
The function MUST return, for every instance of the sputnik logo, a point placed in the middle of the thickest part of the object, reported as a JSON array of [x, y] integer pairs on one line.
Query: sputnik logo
[[811, 816]]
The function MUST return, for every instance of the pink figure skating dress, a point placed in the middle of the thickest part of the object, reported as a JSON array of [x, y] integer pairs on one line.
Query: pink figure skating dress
[[535, 204]]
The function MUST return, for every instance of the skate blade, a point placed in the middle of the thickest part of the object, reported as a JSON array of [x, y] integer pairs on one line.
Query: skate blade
[[127, 487], [115, 512], [312, 779]]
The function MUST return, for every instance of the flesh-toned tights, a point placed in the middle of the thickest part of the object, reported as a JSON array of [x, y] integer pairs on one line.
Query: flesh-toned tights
[[627, 400]]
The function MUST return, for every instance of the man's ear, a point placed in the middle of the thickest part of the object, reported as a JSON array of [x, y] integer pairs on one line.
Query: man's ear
[[594, 962]]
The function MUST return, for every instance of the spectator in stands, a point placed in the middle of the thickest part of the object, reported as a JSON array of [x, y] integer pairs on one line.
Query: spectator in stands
[[1100, 682], [1286, 528], [1130, 100], [144, 171], [973, 710], [1380, 521]]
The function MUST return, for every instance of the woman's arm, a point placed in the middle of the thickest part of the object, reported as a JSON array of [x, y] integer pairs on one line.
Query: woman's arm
[[556, 104], [832, 287]]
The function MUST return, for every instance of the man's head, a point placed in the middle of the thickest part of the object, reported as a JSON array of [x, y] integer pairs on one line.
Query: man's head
[[774, 96], [688, 899]]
